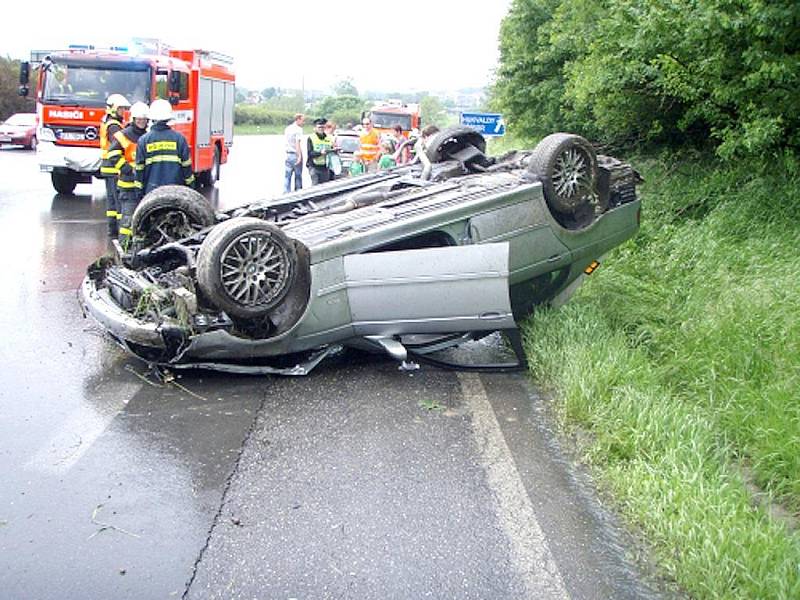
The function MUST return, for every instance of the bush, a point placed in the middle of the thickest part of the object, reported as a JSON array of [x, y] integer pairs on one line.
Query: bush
[[646, 70], [10, 101]]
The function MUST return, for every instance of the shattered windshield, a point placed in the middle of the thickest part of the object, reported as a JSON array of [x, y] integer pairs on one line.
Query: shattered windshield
[[86, 85]]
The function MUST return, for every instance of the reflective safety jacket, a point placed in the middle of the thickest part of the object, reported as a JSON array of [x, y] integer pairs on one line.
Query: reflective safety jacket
[[315, 146], [370, 144], [162, 158], [109, 128], [121, 157]]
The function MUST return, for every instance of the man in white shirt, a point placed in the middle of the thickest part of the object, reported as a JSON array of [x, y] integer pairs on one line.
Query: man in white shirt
[[293, 135]]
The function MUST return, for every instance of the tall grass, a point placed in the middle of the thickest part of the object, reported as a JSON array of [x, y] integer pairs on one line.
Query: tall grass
[[681, 356]]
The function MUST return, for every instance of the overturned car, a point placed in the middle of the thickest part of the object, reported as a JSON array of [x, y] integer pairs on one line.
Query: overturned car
[[386, 261]]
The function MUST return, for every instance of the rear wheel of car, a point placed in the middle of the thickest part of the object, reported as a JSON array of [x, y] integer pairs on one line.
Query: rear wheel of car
[[170, 213], [566, 164], [443, 145], [64, 183], [246, 266]]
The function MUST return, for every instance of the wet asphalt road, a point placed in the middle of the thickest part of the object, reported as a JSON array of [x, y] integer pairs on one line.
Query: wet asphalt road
[[358, 481]]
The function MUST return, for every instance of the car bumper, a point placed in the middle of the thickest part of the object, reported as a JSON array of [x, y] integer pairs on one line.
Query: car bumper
[[125, 328], [82, 160], [15, 140]]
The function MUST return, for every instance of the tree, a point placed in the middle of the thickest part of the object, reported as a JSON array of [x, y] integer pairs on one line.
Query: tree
[[341, 109], [345, 87], [10, 100], [432, 110], [647, 70]]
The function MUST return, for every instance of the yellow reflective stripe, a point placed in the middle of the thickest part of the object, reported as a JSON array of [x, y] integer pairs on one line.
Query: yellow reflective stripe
[[119, 216], [109, 170], [111, 213], [125, 231], [120, 137], [163, 145], [139, 167], [111, 153], [162, 158], [187, 163], [137, 185], [128, 185], [190, 180], [120, 162]]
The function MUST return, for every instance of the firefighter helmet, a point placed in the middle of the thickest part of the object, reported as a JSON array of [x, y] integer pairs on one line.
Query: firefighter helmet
[[116, 101], [160, 110], [139, 110]]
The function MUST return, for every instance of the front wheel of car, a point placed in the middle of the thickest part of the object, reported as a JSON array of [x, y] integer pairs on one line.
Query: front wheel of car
[[246, 267], [33, 144], [566, 165], [170, 213]]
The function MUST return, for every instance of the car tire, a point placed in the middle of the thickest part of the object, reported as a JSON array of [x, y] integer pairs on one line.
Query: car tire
[[64, 183], [33, 144], [451, 140], [566, 165], [246, 267], [170, 213]]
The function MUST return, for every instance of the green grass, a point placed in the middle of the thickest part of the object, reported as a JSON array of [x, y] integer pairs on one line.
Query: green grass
[[250, 129], [681, 357]]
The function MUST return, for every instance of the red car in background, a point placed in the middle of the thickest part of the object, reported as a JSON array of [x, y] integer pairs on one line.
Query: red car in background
[[19, 130]]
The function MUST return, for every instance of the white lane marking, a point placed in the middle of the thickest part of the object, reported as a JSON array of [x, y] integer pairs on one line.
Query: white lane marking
[[77, 434], [530, 553]]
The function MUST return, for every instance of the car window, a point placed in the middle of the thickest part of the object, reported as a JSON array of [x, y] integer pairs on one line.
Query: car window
[[348, 143], [21, 119]]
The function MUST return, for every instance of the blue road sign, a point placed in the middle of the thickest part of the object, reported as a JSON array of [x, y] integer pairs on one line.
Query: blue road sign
[[484, 123]]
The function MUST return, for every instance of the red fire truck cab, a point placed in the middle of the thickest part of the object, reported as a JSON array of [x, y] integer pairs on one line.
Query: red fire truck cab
[[71, 91]]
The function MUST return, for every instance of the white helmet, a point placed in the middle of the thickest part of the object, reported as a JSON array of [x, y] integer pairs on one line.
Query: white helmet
[[160, 110], [115, 101], [139, 110]]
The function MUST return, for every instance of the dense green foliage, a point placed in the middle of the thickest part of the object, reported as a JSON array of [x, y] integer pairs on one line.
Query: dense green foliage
[[258, 114], [681, 357], [650, 70], [341, 109], [10, 101]]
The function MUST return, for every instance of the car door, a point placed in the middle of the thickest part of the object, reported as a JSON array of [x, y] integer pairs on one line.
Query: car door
[[429, 290]]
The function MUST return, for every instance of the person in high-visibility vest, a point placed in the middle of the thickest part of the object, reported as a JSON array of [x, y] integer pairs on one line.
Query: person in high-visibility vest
[[319, 145], [110, 126], [121, 158], [369, 147], [162, 154]]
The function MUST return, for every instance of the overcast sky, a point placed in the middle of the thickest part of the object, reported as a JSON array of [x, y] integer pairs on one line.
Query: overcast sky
[[403, 45]]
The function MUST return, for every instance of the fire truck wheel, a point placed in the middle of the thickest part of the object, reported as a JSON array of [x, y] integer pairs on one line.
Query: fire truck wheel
[[447, 142], [246, 267], [210, 177], [170, 213], [566, 164], [64, 183]]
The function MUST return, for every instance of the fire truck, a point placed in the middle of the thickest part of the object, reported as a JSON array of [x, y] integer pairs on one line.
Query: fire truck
[[73, 84], [385, 115]]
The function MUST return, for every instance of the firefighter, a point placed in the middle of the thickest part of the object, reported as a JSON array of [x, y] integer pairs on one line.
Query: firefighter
[[319, 145], [121, 158], [162, 154], [110, 126]]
